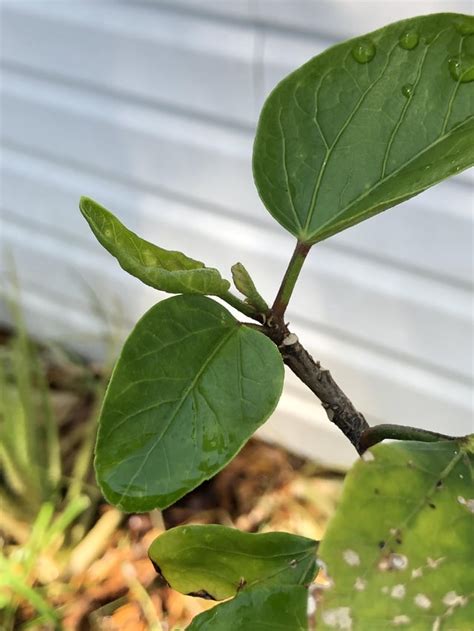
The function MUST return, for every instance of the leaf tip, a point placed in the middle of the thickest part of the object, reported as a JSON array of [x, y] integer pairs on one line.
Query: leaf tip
[[85, 204]]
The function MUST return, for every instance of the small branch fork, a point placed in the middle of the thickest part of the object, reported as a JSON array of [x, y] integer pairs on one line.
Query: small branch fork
[[339, 408]]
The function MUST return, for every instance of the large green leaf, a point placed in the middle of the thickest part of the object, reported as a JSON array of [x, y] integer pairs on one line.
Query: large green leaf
[[400, 549], [191, 385], [162, 269], [259, 609], [217, 562], [368, 124]]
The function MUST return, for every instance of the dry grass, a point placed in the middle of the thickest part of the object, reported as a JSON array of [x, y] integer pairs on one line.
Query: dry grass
[[94, 573]]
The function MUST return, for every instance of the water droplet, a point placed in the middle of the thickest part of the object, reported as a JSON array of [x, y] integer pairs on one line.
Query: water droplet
[[465, 25], [407, 90], [363, 51], [461, 68], [409, 40]]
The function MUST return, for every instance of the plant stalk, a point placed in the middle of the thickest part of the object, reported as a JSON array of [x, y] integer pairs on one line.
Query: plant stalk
[[377, 433], [339, 408], [240, 305], [289, 280]]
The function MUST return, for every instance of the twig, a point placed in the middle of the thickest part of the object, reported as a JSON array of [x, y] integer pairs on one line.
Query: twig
[[339, 408], [377, 433]]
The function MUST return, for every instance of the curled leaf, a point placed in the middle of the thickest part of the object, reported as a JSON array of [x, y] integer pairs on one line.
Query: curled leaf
[[246, 286], [162, 269]]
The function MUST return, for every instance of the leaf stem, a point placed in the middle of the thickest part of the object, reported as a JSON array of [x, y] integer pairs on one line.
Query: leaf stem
[[289, 280], [377, 433], [240, 305]]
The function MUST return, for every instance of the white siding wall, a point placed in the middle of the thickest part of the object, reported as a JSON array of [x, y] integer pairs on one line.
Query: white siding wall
[[150, 108]]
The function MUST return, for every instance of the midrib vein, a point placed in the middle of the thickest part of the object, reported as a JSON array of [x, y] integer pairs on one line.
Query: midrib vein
[[330, 151], [391, 175], [183, 398]]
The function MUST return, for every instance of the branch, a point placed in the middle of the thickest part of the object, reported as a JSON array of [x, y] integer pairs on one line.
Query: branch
[[338, 406], [377, 433]]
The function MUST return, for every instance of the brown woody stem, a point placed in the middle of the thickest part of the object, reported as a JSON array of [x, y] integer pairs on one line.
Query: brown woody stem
[[339, 408]]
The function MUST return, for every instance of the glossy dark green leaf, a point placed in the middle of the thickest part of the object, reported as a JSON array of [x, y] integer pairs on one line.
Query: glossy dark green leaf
[[162, 269], [400, 548], [258, 609], [191, 385], [368, 124], [217, 562]]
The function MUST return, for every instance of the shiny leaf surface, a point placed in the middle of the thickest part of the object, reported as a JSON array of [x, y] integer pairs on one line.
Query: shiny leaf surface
[[259, 609], [190, 387], [217, 562], [162, 269], [368, 124], [400, 548]]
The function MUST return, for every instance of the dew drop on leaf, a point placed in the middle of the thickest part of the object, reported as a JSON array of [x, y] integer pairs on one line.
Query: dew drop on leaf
[[409, 40], [363, 51], [407, 90], [461, 68]]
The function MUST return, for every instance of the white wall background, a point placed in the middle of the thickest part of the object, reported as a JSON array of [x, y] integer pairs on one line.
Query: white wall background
[[150, 108]]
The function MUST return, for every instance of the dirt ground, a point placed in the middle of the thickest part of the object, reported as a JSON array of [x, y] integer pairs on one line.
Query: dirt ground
[[100, 577], [264, 489]]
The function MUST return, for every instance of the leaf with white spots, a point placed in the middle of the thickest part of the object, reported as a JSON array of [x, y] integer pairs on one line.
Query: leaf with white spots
[[400, 550]]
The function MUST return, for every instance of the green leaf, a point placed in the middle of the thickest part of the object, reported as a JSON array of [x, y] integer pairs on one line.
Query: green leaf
[[217, 562], [260, 609], [367, 124], [245, 285], [192, 384], [162, 269], [400, 548]]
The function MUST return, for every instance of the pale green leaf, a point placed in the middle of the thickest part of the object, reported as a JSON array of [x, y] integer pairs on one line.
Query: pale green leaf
[[400, 548], [244, 283], [162, 269], [191, 386], [368, 124], [217, 562]]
